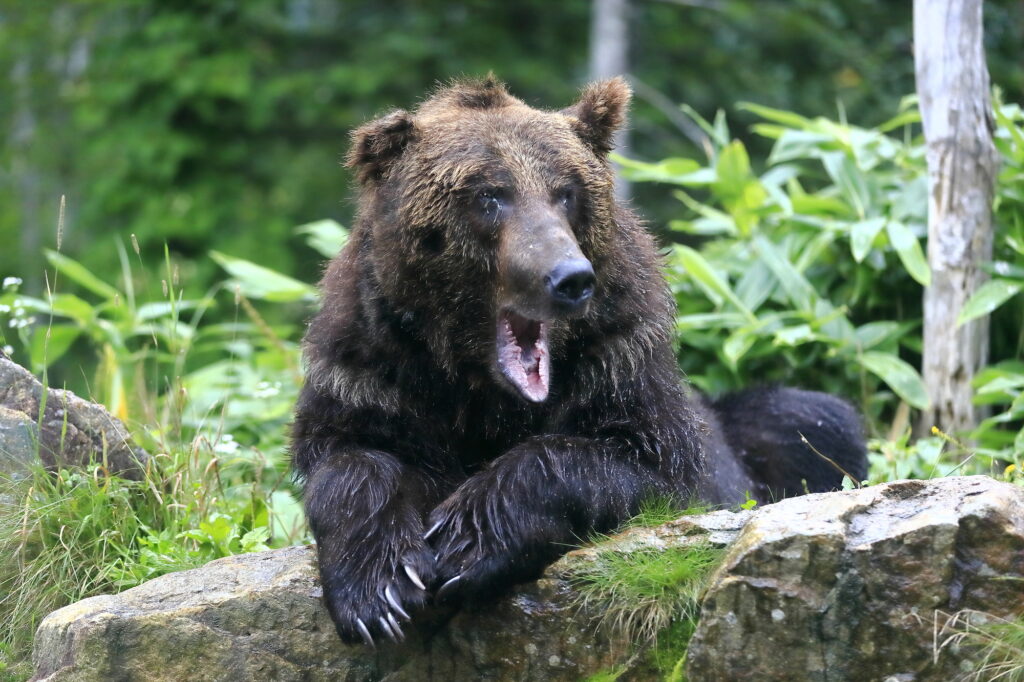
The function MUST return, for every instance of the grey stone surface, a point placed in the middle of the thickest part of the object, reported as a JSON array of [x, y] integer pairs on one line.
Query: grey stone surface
[[70, 431], [846, 586]]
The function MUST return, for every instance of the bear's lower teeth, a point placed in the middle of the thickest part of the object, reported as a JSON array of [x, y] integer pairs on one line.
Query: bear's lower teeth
[[523, 355]]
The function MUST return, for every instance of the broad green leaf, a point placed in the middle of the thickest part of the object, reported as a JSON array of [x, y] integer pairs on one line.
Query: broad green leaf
[[812, 204], [737, 345], [733, 169], [786, 118], [851, 180], [873, 333], [73, 307], [707, 279], [79, 274], [712, 221], [158, 309], [50, 343], [756, 285], [257, 281], [677, 171], [794, 336], [987, 298], [710, 321], [900, 377], [799, 144], [799, 291], [325, 236], [909, 250], [862, 235], [900, 120]]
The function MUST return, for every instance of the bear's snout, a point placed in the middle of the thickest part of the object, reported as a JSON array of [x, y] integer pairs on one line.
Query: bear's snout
[[571, 284]]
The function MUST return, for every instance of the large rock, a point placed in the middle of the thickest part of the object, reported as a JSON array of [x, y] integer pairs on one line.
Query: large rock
[[839, 586], [259, 617], [71, 431], [846, 586]]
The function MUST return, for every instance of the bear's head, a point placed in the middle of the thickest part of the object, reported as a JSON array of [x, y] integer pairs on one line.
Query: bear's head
[[488, 222]]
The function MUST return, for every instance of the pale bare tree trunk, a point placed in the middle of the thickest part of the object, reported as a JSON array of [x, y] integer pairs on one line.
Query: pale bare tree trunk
[[953, 87], [609, 56]]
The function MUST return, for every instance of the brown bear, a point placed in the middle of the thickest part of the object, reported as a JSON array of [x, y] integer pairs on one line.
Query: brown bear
[[491, 377]]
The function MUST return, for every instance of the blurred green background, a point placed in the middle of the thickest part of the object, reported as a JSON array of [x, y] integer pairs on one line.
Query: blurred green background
[[219, 124]]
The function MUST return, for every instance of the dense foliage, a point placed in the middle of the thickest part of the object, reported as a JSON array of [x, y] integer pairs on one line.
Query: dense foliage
[[219, 124]]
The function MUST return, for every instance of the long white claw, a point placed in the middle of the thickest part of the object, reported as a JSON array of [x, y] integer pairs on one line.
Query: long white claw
[[361, 626], [448, 587], [387, 629], [396, 628], [433, 529], [414, 576], [394, 603]]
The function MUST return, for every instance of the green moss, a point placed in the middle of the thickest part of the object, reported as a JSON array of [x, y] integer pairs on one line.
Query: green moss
[[610, 675], [656, 511], [649, 596]]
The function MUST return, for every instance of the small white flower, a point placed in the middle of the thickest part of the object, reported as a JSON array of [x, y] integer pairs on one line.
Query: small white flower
[[10, 282], [226, 446], [265, 389], [8, 350], [1001, 267], [5, 308]]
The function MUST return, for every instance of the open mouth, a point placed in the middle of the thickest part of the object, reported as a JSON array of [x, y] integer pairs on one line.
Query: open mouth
[[523, 354]]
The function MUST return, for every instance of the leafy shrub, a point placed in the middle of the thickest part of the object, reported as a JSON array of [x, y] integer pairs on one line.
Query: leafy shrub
[[209, 400], [811, 273]]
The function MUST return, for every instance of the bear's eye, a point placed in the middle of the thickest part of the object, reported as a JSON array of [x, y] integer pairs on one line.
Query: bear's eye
[[490, 203], [566, 197]]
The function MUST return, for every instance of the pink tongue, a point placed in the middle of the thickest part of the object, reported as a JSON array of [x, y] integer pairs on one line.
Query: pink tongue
[[527, 368]]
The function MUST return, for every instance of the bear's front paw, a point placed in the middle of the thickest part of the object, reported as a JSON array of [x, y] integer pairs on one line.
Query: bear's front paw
[[480, 552], [368, 600]]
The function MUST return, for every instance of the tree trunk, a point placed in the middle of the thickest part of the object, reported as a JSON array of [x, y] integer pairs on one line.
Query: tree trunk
[[609, 56], [953, 88]]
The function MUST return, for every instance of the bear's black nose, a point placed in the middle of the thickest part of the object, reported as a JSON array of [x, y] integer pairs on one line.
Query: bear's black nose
[[571, 283]]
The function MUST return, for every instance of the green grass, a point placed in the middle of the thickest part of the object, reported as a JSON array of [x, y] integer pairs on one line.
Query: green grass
[[74, 533], [997, 644], [208, 397], [649, 597]]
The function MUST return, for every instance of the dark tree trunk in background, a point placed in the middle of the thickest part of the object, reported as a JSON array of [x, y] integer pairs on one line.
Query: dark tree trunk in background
[[953, 87], [609, 56]]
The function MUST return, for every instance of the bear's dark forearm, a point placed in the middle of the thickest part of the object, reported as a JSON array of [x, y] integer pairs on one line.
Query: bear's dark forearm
[[487, 538], [364, 508]]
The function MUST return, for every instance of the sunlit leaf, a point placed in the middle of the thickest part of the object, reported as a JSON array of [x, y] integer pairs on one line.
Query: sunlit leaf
[[50, 343], [79, 274], [707, 279], [987, 298], [797, 288], [256, 281], [908, 248], [324, 236], [903, 379], [862, 235]]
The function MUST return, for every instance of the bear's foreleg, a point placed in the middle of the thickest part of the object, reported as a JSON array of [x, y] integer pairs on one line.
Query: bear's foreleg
[[365, 510], [506, 523]]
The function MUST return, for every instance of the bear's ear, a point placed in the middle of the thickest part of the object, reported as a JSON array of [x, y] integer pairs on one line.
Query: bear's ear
[[377, 144], [600, 112]]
